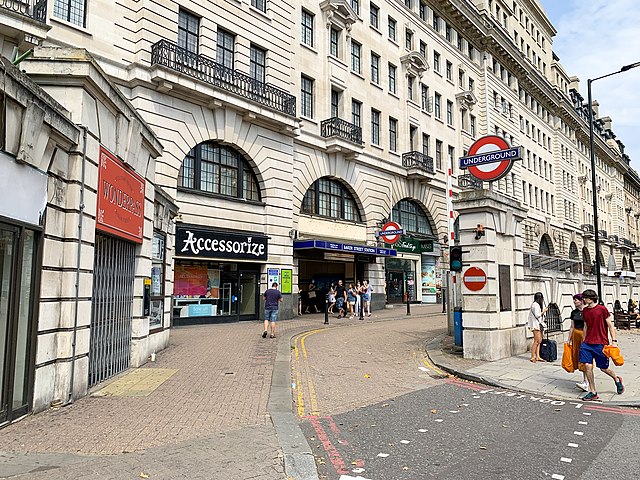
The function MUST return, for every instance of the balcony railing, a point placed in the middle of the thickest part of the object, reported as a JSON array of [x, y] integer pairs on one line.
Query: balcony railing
[[337, 127], [603, 235], [468, 181], [36, 9], [418, 160], [543, 262], [587, 228], [208, 70]]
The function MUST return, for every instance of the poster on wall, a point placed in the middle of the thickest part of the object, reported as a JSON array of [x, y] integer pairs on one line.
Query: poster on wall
[[213, 284], [191, 281], [287, 281], [273, 275]]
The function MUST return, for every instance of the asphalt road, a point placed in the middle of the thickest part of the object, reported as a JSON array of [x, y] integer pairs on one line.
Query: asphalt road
[[460, 430]]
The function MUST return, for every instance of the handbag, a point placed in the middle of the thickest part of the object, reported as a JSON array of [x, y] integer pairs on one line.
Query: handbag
[[567, 359], [614, 354], [312, 294]]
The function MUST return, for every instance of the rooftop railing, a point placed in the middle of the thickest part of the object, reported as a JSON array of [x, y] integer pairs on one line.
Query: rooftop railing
[[36, 9]]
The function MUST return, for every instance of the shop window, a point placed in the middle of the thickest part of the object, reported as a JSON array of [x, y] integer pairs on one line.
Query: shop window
[[218, 169], [156, 313], [329, 198], [412, 218]]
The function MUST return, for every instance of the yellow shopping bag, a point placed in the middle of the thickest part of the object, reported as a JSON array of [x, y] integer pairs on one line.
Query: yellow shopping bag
[[567, 359], [614, 354]]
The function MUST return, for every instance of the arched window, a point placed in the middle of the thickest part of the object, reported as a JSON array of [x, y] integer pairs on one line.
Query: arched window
[[631, 267], [586, 258], [546, 247], [329, 198], [213, 168], [624, 263], [611, 265], [411, 217], [573, 251]]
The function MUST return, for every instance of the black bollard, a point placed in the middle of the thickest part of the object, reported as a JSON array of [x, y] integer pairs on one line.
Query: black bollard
[[361, 309], [408, 305], [444, 300], [326, 309]]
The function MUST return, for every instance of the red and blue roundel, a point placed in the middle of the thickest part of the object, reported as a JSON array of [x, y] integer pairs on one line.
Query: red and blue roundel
[[490, 158]]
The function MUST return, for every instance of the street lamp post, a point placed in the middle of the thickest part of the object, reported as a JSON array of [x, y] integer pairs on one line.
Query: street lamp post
[[593, 171]]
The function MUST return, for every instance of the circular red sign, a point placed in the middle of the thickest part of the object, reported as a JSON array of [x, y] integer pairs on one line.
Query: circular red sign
[[489, 172], [474, 279], [393, 238]]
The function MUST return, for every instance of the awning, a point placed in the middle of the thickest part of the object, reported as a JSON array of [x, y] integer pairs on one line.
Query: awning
[[343, 247]]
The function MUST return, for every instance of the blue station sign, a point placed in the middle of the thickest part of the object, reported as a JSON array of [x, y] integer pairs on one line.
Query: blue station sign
[[513, 153], [343, 247]]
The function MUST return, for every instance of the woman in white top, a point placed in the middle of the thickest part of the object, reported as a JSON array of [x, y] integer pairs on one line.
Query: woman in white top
[[536, 324]]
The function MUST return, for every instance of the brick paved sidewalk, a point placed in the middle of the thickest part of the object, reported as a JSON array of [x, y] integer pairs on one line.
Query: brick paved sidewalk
[[209, 419], [549, 379]]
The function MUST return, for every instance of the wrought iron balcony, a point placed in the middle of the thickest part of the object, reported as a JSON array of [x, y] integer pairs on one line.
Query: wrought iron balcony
[[337, 127], [587, 228], [206, 69], [603, 235], [418, 160], [36, 9], [613, 238], [468, 181], [544, 262]]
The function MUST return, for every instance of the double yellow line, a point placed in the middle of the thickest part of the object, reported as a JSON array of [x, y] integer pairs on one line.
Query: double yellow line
[[303, 373]]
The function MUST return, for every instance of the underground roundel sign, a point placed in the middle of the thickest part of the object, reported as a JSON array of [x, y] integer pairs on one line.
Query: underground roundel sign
[[490, 158], [391, 232]]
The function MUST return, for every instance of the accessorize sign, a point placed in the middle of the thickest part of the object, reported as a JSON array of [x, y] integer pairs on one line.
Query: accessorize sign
[[120, 209], [204, 243]]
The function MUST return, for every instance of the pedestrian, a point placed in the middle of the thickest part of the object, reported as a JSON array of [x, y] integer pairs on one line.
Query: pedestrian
[[332, 298], [351, 300], [598, 326], [536, 324], [272, 297], [312, 295], [366, 297], [358, 297], [341, 298], [576, 337]]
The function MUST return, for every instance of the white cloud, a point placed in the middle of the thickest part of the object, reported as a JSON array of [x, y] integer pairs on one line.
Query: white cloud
[[597, 37]]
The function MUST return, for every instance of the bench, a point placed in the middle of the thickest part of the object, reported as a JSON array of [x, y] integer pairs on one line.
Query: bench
[[623, 320]]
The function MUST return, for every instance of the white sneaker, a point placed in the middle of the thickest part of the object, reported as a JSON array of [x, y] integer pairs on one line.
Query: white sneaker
[[583, 386]]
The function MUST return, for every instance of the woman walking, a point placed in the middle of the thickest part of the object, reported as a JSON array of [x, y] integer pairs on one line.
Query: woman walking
[[576, 337], [358, 297], [535, 324], [332, 298], [351, 300]]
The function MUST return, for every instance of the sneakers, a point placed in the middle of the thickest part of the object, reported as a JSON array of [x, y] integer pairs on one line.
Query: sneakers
[[619, 386], [264, 334], [583, 386], [589, 397]]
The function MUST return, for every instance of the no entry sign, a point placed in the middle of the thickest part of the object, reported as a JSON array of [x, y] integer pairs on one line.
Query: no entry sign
[[474, 279], [391, 232], [490, 158]]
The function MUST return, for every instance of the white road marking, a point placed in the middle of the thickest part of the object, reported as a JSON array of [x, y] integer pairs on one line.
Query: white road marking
[[424, 369], [586, 413], [358, 470], [422, 430], [465, 404], [454, 411], [565, 460], [572, 445], [404, 442], [349, 477], [555, 476], [476, 396], [383, 455], [439, 420], [578, 433], [582, 423]]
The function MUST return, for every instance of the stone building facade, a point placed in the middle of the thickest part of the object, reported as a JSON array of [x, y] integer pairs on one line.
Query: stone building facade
[[275, 139]]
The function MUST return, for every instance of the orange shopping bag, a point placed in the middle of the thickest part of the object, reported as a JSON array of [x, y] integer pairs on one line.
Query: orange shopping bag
[[614, 354], [567, 359]]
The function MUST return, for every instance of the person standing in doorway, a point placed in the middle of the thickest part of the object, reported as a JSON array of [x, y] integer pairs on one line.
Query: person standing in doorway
[[351, 300], [358, 297], [598, 326], [272, 298], [331, 298], [341, 299], [536, 323], [576, 337]]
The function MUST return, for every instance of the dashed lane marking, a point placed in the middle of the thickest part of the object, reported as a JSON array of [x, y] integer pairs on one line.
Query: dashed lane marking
[[555, 476], [565, 460], [572, 445], [578, 433]]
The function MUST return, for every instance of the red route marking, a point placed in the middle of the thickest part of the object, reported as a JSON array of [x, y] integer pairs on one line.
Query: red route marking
[[463, 384], [334, 456], [619, 411]]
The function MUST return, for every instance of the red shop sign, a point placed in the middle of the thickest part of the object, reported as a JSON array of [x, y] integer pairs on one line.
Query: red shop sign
[[120, 199]]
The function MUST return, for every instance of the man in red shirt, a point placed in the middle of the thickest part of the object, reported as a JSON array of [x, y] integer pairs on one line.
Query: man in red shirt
[[597, 326]]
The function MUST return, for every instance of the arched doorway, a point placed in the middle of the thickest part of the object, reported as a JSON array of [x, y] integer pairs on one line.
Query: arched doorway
[[611, 264], [546, 246], [586, 261], [574, 255], [624, 264], [412, 274]]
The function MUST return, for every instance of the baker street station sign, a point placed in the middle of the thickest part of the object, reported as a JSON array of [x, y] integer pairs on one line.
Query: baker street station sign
[[413, 245]]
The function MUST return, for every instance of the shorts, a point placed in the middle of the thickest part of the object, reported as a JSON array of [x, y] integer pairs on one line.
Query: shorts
[[340, 302], [591, 351], [271, 315], [365, 297]]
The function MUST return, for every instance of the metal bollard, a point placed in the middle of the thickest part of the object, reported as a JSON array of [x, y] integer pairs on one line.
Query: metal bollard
[[326, 309], [444, 301], [361, 309], [408, 305]]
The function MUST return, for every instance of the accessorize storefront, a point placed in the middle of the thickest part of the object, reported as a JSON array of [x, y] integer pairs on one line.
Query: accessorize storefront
[[217, 275]]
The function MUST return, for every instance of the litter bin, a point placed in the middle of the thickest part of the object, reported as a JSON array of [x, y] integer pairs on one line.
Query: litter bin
[[457, 326]]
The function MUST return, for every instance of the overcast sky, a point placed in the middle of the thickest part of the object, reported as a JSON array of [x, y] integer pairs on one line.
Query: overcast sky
[[596, 37]]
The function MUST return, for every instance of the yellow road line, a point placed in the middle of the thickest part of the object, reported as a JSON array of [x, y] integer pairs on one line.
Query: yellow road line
[[313, 399], [435, 369]]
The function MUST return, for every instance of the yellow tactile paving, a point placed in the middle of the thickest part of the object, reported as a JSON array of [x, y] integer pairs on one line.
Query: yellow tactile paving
[[137, 383]]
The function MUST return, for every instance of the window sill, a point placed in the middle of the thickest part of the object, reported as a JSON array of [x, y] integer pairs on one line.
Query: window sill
[[193, 191], [377, 85], [375, 29], [395, 95], [358, 74], [71, 25], [260, 13], [394, 41], [309, 119], [309, 47]]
